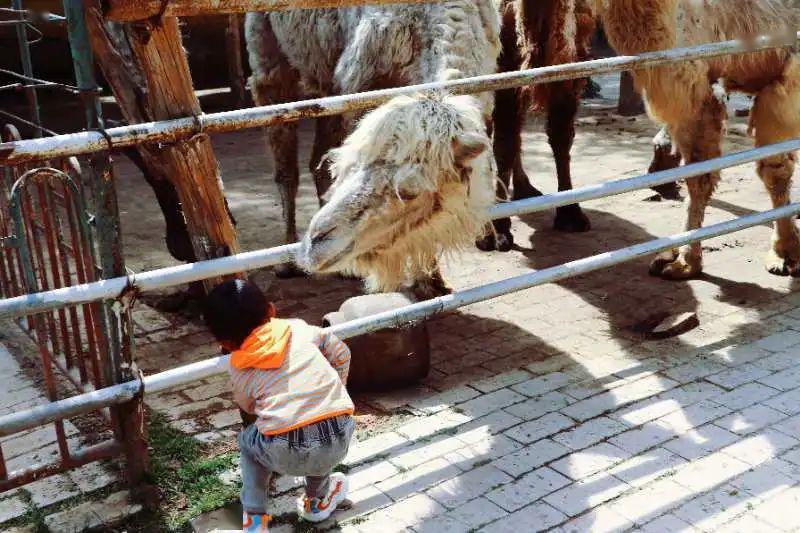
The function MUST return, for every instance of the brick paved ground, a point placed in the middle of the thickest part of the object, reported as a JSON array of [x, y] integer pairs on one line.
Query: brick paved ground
[[546, 408]]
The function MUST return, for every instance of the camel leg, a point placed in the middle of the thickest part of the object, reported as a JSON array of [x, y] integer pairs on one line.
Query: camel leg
[[698, 140], [776, 118], [665, 157], [561, 112], [329, 133], [274, 81]]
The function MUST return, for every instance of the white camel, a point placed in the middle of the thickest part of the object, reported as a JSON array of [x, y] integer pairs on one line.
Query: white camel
[[415, 178]]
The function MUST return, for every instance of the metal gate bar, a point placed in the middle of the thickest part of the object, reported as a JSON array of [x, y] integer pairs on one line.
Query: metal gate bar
[[172, 130]]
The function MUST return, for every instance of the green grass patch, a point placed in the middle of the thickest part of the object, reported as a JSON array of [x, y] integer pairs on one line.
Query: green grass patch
[[188, 480]]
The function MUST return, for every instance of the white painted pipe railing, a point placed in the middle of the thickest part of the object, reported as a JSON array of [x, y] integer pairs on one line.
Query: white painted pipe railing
[[92, 141], [180, 274], [37, 416]]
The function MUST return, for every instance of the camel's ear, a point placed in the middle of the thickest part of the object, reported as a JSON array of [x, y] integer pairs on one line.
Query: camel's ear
[[467, 146]]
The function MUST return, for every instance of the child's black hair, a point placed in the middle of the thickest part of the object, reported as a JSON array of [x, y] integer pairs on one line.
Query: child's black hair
[[234, 309]]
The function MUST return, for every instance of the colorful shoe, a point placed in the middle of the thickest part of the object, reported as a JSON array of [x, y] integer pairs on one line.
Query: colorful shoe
[[255, 523], [319, 509]]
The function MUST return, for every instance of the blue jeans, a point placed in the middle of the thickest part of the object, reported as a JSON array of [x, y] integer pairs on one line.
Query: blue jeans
[[312, 451]]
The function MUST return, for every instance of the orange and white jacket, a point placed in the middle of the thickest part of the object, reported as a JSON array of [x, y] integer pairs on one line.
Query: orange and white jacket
[[291, 375]]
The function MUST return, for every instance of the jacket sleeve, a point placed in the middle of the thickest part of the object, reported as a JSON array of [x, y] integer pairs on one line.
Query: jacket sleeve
[[336, 352]]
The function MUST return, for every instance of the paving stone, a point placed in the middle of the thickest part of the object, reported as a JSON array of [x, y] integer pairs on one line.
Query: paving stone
[[543, 384], [424, 451], [188, 409], [488, 403], [501, 381], [779, 341], [531, 457], [24, 443], [536, 517], [12, 508], [53, 489], [600, 520], [529, 488], [737, 355], [579, 465], [700, 441], [641, 469], [746, 395], [737, 376], [374, 448], [710, 511], [477, 513], [365, 500], [401, 515], [536, 407], [784, 380], [647, 503], [434, 403], [370, 474], [760, 447], [93, 514], [638, 440], [469, 486], [620, 396], [764, 481], [540, 428], [225, 419], [779, 361], [418, 479], [209, 390], [586, 493], [188, 426], [710, 471], [441, 524], [750, 419], [789, 426], [92, 477], [694, 370], [668, 522], [590, 432], [774, 511], [490, 424], [486, 450], [748, 523], [430, 425], [149, 319], [693, 416]]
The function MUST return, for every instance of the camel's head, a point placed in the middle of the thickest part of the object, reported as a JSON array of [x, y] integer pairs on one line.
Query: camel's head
[[415, 179]]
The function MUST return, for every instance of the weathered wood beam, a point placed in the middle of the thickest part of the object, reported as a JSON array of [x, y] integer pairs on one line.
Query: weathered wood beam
[[130, 10], [147, 69]]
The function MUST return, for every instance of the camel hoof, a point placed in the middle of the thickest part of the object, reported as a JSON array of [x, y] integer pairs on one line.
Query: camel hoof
[[781, 266], [487, 243], [525, 191], [289, 270], [571, 219], [505, 242], [669, 191], [670, 265], [429, 289]]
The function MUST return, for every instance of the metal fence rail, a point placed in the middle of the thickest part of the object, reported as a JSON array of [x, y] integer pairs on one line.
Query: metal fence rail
[[191, 373], [171, 130], [176, 275]]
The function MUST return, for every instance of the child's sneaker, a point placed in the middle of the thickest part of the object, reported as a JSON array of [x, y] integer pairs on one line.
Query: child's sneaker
[[255, 523], [318, 509]]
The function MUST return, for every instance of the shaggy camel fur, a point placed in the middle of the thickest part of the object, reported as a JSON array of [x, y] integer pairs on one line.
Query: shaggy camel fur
[[415, 177], [537, 33], [689, 99]]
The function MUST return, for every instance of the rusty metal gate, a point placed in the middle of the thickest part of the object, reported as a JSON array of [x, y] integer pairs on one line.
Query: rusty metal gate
[[48, 241]]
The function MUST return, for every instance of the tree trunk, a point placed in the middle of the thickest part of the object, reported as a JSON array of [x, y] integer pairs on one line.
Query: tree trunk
[[148, 72], [630, 102]]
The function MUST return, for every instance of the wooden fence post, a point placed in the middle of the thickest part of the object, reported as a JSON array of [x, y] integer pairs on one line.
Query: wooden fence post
[[149, 74], [233, 44]]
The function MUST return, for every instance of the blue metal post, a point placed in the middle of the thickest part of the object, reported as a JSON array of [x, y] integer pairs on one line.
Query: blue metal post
[[83, 61]]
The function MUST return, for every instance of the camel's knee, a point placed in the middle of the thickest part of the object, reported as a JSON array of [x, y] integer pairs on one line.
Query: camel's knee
[[776, 172]]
